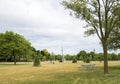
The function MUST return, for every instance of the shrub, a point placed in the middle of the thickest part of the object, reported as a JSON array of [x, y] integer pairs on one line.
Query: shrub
[[36, 61], [74, 60], [60, 60], [88, 60]]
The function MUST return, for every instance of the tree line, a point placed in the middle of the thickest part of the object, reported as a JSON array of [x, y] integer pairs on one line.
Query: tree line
[[15, 48], [92, 56]]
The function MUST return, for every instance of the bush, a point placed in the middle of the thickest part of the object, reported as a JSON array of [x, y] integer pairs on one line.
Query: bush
[[88, 60], [74, 60], [36, 61], [60, 60]]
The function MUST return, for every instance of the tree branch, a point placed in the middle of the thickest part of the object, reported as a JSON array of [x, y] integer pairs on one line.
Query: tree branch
[[99, 16]]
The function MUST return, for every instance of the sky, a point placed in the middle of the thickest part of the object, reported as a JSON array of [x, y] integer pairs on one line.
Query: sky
[[47, 25]]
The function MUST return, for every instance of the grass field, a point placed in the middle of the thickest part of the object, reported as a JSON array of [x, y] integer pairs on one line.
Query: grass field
[[58, 73]]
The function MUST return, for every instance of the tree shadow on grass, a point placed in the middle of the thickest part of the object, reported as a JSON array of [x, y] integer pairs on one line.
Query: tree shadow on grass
[[115, 67], [12, 63]]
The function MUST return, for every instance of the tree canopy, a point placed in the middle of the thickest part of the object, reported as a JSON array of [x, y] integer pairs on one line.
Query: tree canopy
[[14, 46], [45, 54]]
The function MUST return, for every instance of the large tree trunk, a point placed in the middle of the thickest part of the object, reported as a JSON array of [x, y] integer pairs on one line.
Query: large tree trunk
[[105, 57], [14, 57], [14, 61]]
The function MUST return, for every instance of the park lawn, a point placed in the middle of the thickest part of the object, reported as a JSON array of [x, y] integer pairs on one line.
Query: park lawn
[[58, 73]]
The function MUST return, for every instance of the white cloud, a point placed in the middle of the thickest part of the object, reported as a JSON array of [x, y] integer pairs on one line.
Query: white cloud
[[46, 24]]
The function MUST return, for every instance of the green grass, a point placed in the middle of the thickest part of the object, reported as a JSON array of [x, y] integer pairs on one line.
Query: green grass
[[58, 73]]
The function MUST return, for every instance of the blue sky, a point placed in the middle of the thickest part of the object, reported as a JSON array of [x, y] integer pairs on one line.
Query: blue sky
[[47, 25]]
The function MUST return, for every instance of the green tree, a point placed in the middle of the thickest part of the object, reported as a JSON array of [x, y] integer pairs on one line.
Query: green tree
[[45, 53], [52, 57], [92, 54], [87, 58], [44, 58], [100, 57], [38, 53], [118, 56], [14, 46], [74, 59], [68, 57], [36, 61], [33, 54], [112, 56], [59, 58], [100, 15], [82, 54]]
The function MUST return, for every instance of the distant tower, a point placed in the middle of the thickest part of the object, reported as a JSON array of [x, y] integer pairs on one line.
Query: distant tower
[[63, 59]]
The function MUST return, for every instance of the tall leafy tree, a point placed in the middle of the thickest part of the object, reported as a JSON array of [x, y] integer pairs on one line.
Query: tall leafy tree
[[101, 19], [45, 54], [92, 54], [82, 54], [68, 57], [14, 46]]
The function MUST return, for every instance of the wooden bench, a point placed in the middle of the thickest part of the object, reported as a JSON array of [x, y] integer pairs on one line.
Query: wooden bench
[[88, 66]]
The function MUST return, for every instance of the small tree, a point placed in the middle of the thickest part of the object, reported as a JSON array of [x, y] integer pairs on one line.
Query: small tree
[[44, 58], [45, 53], [82, 54], [60, 60], [88, 60], [36, 61], [74, 60]]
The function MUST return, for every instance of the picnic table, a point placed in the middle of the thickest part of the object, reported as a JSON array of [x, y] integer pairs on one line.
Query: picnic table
[[88, 66]]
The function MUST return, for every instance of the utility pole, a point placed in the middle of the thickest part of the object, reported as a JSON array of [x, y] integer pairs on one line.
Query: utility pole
[[63, 59]]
